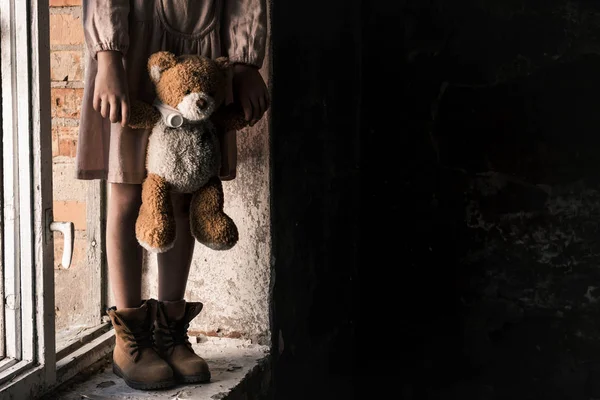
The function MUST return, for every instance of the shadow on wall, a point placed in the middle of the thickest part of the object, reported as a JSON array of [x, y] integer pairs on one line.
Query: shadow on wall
[[519, 173], [492, 184], [479, 197]]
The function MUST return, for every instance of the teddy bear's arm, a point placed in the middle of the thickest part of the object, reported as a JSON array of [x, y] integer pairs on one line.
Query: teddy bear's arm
[[230, 118], [143, 115]]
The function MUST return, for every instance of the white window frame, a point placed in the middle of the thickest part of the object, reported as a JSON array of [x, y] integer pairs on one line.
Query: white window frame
[[30, 365], [27, 258]]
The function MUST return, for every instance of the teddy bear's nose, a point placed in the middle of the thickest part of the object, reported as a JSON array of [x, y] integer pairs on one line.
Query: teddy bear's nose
[[201, 104]]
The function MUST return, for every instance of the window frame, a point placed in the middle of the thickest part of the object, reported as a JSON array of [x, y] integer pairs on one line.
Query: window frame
[[27, 257]]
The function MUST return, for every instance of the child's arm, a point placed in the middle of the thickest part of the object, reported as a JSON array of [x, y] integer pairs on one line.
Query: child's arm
[[106, 29], [245, 36], [143, 115]]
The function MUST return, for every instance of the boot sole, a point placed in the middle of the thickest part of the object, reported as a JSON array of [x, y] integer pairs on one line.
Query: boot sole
[[193, 378], [143, 385]]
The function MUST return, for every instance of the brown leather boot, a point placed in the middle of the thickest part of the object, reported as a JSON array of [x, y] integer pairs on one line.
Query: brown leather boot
[[135, 358], [172, 322]]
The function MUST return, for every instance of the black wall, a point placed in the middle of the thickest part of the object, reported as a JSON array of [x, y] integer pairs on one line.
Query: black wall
[[316, 192], [436, 200]]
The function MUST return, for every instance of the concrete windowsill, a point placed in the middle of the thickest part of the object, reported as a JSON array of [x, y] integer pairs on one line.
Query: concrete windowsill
[[239, 370]]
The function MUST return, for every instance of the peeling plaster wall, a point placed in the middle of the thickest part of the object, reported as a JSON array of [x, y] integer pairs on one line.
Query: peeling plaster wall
[[72, 308]]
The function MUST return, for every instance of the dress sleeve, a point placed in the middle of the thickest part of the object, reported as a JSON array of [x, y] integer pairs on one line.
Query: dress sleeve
[[106, 25], [244, 31]]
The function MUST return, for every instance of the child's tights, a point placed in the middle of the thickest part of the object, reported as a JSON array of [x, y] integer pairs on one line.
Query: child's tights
[[124, 254]]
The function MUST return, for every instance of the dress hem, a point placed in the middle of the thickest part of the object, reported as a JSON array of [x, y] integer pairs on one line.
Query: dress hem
[[132, 179]]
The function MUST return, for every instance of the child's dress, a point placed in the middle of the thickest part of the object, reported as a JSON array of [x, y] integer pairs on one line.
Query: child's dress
[[138, 28]]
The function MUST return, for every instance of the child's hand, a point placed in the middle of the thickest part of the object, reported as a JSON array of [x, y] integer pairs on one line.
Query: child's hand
[[250, 91], [111, 97]]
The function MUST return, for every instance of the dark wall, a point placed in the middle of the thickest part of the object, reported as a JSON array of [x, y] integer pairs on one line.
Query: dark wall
[[336, 214], [436, 199], [315, 193]]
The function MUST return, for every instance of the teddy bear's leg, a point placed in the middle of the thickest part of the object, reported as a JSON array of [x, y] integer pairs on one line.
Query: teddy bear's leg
[[209, 223], [155, 225]]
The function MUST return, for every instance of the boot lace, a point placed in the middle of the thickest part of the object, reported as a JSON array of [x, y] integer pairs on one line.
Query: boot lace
[[139, 339], [172, 334]]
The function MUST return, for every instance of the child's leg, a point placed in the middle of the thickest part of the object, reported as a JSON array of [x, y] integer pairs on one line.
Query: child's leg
[[173, 310], [124, 254], [174, 265]]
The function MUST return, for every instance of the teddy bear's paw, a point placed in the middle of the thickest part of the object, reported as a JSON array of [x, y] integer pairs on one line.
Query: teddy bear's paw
[[142, 116], [157, 235], [217, 232], [153, 249]]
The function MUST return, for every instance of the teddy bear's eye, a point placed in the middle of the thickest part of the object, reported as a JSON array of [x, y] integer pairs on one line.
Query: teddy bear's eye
[[188, 92]]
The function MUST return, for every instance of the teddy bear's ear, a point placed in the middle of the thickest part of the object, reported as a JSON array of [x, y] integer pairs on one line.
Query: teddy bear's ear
[[223, 63], [159, 62]]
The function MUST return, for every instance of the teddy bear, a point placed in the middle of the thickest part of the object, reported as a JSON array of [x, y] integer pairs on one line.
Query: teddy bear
[[183, 153]]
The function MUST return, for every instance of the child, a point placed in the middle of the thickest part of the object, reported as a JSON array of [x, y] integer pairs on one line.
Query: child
[[121, 35]]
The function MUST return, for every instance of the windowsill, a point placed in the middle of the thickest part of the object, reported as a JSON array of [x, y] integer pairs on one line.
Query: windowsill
[[239, 370], [70, 340]]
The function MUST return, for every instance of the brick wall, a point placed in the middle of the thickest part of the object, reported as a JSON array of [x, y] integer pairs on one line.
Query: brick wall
[[67, 71]]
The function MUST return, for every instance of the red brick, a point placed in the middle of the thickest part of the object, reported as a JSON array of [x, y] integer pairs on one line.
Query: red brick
[[67, 147], [66, 102], [74, 211], [66, 140], [64, 3], [54, 142], [65, 29], [66, 66]]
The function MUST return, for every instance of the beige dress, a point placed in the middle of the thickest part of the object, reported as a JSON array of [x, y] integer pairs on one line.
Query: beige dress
[[138, 28]]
